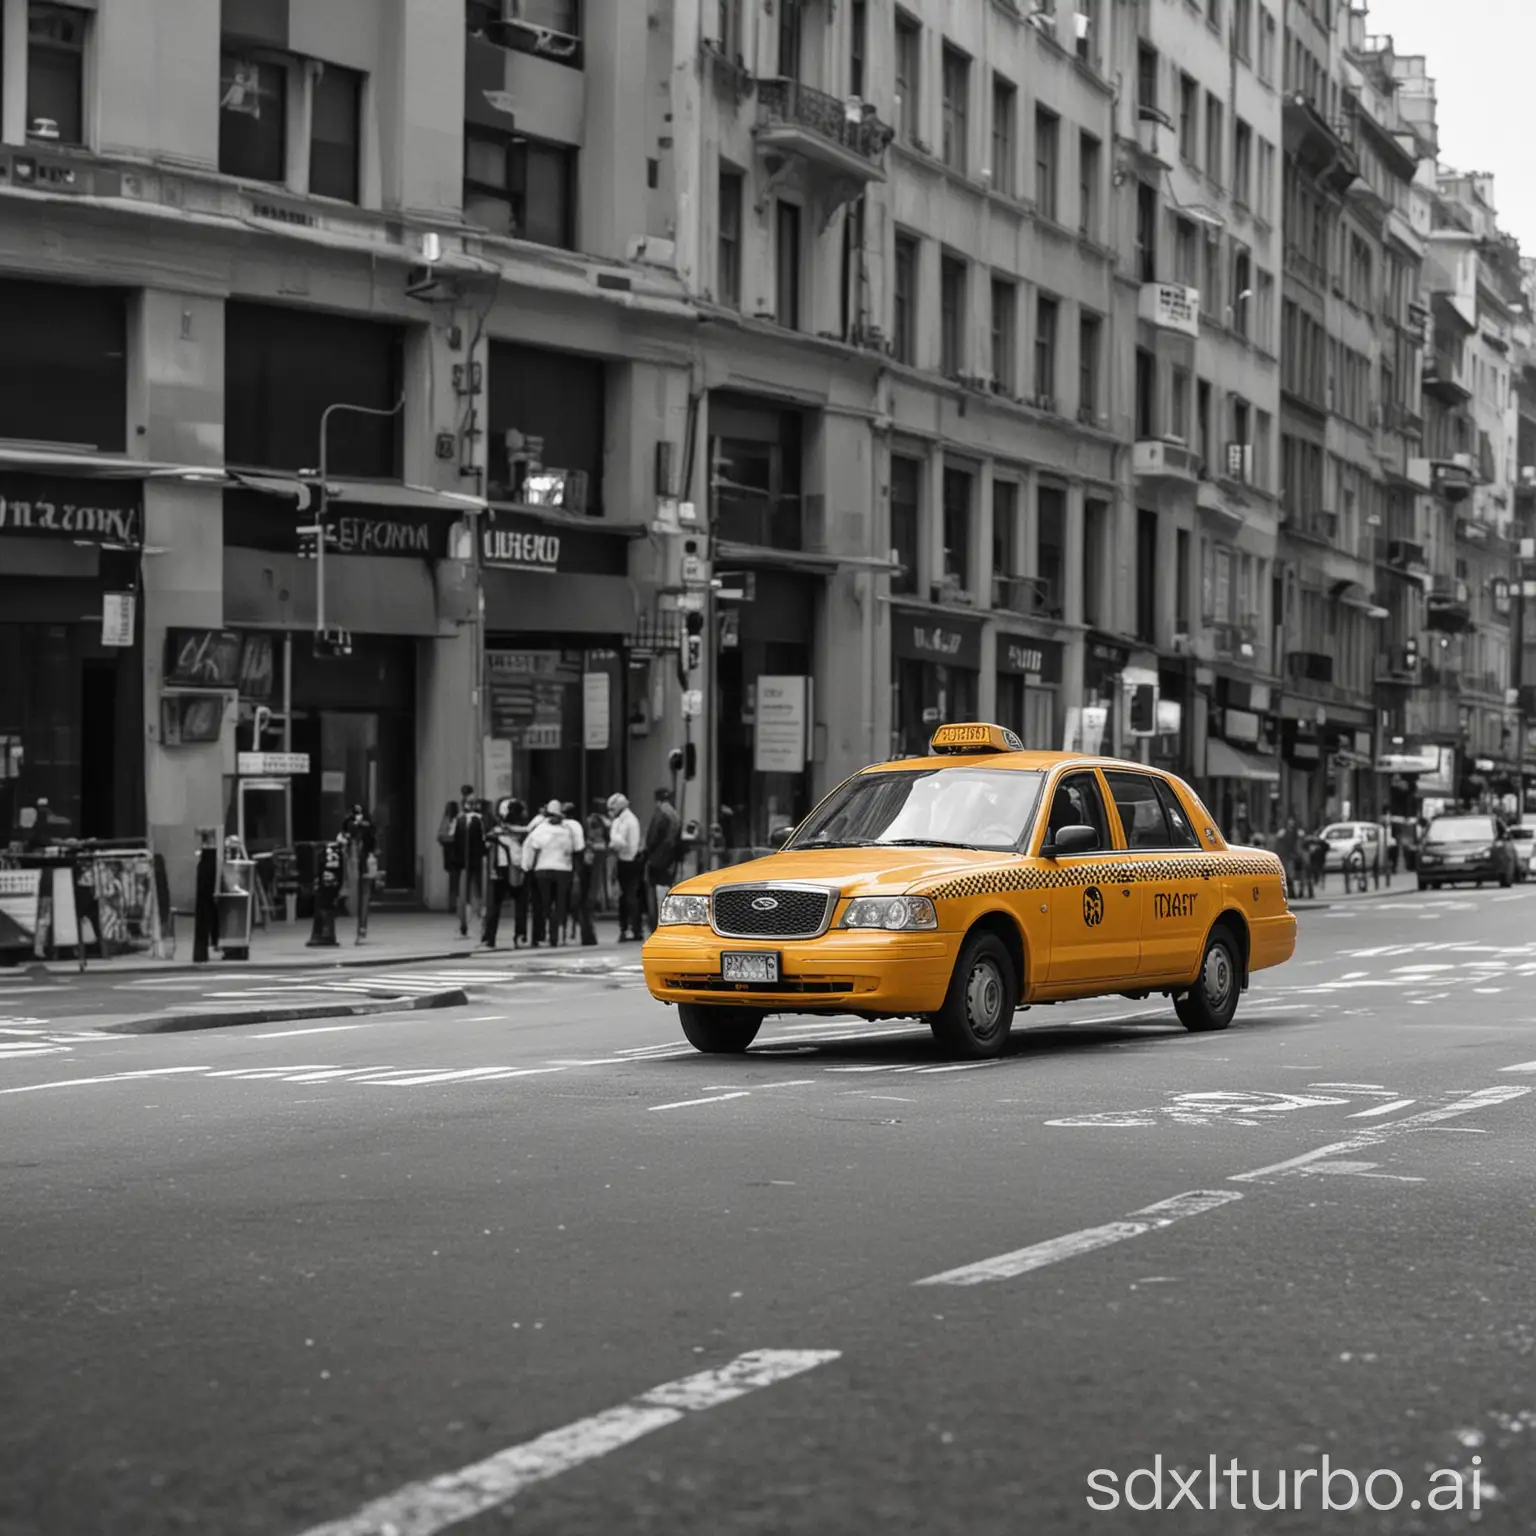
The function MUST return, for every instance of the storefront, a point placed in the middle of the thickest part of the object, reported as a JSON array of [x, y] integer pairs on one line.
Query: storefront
[[1241, 779], [562, 692], [936, 674], [1028, 684], [1099, 725], [71, 710]]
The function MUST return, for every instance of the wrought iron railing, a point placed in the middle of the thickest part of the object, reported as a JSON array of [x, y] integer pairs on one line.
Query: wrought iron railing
[[793, 102]]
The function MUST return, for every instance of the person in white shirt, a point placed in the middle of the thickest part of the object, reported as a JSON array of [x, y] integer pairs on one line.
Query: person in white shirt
[[624, 839], [549, 855]]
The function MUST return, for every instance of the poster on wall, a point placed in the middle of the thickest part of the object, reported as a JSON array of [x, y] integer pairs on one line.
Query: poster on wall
[[127, 913], [20, 890], [595, 688], [780, 729], [526, 694], [498, 769]]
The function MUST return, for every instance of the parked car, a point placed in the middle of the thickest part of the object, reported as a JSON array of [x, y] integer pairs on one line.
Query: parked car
[[1351, 845], [1466, 848], [1524, 841]]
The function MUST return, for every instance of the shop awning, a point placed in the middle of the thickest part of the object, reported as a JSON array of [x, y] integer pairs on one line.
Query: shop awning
[[346, 492], [103, 466], [1224, 761], [799, 559]]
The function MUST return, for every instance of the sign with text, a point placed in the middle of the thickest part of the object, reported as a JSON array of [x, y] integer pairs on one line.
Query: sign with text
[[935, 637], [780, 727], [253, 520], [88, 511], [498, 769], [595, 707], [1023, 655], [277, 765], [20, 897], [117, 614], [208, 658], [520, 541]]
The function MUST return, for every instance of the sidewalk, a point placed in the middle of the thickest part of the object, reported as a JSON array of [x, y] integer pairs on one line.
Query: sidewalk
[[1334, 894], [394, 938]]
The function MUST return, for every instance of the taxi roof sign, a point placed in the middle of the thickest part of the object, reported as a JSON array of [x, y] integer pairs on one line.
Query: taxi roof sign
[[974, 737]]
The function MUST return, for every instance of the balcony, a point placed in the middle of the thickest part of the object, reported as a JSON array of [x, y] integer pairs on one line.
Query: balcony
[[1156, 138], [1450, 608], [1170, 307], [1315, 142], [1442, 377], [1442, 677], [1417, 326], [1490, 684], [1452, 478], [1026, 595], [1310, 666], [1394, 670], [549, 29], [1407, 556], [841, 142], [1396, 417], [1473, 530], [1319, 527], [1155, 459]]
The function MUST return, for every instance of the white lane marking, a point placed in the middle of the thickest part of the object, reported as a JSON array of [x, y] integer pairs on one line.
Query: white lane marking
[[1484, 1098], [1356, 1087], [1007, 1266], [423, 1509], [718, 1098], [486, 1018], [251, 1072], [1380, 1109], [1520, 1066], [323, 1075], [460, 1075], [321, 1029], [1363, 1171], [794, 1082], [115, 1077], [962, 1066]]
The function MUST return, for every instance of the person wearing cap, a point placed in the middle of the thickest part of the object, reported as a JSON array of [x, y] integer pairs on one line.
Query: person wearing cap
[[362, 865], [624, 840], [550, 852]]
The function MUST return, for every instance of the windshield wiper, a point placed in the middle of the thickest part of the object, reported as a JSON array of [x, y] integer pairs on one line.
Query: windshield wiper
[[926, 842], [816, 842]]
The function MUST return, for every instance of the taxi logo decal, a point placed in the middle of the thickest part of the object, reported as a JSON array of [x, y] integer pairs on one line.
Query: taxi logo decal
[[765, 904], [1165, 905], [1093, 906], [1120, 869]]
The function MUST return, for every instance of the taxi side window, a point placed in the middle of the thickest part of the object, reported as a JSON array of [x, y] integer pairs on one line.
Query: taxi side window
[[1078, 803], [1181, 834], [1142, 817]]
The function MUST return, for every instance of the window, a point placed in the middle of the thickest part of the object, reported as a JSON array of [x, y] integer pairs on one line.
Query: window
[[951, 316], [1089, 328], [1146, 388], [1189, 120], [1095, 559], [333, 133], [1045, 353], [789, 41], [1180, 833], [56, 73], [253, 114], [1263, 436], [521, 187], [909, 44], [1046, 137], [1088, 186], [858, 43], [728, 24], [1005, 530], [1210, 285], [1242, 289], [1146, 575], [1083, 21], [728, 246], [560, 398], [1181, 581], [1178, 405], [957, 528], [1267, 38], [1213, 140], [1242, 29], [1050, 546], [1005, 321], [906, 483], [904, 301], [1203, 422], [1005, 100], [1142, 819], [957, 108], [1146, 232], [851, 296], [787, 264], [1186, 253], [1242, 163], [1077, 802], [1264, 183], [1264, 311], [1146, 76]]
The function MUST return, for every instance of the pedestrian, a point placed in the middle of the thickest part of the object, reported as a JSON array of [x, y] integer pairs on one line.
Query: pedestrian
[[362, 865], [502, 857], [330, 880], [597, 846], [583, 882], [629, 866], [205, 913], [469, 852], [513, 815], [549, 854], [452, 865], [661, 838]]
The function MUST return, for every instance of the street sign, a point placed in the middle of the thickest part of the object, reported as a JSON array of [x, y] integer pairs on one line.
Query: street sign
[[695, 571], [693, 703], [272, 764], [117, 618]]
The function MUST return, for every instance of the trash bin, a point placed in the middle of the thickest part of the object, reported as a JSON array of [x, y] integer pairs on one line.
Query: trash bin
[[234, 899]]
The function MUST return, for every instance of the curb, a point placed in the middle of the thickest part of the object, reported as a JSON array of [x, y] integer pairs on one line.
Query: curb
[[1323, 904], [180, 1023]]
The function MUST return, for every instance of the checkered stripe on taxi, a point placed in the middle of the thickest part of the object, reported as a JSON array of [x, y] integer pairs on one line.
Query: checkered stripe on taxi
[[1126, 869]]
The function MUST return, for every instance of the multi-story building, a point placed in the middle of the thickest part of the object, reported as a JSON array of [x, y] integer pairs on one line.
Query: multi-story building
[[1205, 384], [1350, 251]]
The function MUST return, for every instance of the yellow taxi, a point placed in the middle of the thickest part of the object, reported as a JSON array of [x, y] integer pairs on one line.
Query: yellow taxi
[[961, 886]]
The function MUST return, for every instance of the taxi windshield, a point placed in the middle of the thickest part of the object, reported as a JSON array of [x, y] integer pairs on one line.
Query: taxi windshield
[[986, 808]]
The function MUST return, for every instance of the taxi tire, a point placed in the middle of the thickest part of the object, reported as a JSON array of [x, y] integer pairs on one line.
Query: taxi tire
[[954, 1026], [1196, 1010], [718, 1031]]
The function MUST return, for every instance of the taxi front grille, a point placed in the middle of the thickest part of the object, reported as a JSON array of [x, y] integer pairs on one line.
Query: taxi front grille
[[771, 912]]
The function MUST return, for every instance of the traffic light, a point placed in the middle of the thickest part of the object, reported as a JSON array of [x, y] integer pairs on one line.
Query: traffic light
[[675, 759], [694, 624], [1144, 710], [309, 541]]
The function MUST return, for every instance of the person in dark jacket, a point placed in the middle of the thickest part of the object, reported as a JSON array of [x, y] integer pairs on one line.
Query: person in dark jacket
[[205, 916], [469, 853], [362, 864], [661, 838], [451, 865]]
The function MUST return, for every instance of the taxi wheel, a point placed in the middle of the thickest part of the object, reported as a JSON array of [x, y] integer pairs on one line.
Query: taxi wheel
[[978, 1009], [719, 1031], [1212, 1001]]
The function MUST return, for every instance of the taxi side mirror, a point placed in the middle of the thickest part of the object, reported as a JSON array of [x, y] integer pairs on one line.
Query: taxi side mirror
[[779, 836], [1071, 840]]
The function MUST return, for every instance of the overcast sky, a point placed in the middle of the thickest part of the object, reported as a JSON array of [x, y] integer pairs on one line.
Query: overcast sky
[[1480, 56]]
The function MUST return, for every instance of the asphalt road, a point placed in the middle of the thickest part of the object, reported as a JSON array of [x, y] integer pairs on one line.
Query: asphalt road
[[258, 1279]]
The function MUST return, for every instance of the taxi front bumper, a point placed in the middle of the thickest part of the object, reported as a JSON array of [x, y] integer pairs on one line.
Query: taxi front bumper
[[845, 971]]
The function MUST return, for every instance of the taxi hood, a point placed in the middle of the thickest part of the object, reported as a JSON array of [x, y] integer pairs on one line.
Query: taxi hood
[[854, 871]]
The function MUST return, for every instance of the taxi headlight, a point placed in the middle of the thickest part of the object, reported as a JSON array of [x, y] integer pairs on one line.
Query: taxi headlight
[[895, 913], [690, 910]]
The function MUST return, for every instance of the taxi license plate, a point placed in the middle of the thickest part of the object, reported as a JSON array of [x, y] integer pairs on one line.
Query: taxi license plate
[[749, 965]]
